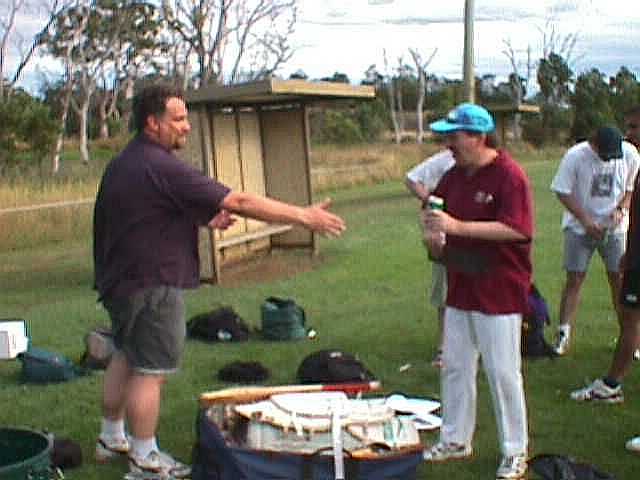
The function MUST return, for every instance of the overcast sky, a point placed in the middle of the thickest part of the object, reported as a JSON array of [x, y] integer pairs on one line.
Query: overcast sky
[[349, 35]]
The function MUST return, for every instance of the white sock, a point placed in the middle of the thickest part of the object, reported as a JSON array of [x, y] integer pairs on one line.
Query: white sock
[[141, 447], [112, 428], [565, 328]]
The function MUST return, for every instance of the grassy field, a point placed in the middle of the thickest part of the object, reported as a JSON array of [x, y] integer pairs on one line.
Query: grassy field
[[367, 295]]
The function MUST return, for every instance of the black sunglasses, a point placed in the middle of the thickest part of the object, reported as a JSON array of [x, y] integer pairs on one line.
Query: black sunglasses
[[632, 126]]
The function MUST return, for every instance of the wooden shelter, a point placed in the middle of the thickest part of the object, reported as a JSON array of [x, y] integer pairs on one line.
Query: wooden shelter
[[502, 114], [254, 137]]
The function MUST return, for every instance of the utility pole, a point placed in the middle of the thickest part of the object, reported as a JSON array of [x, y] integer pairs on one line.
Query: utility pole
[[468, 71]]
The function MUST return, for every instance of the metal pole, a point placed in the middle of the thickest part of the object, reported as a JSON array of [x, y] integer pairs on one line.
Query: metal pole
[[468, 73]]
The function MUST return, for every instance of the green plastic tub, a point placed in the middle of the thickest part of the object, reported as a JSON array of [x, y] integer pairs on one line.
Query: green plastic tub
[[24, 455]]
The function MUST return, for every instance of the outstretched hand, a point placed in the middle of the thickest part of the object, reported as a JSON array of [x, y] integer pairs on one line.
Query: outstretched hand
[[320, 220]]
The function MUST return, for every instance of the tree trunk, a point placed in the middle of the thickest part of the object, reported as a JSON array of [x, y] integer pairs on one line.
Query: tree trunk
[[102, 118], [517, 118], [126, 111], [419, 108], [400, 107], [84, 131], [66, 100], [392, 111]]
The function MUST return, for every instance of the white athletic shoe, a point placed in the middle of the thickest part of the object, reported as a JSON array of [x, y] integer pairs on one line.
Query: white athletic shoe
[[158, 465], [561, 345], [511, 467], [441, 452], [598, 391], [633, 445], [111, 448]]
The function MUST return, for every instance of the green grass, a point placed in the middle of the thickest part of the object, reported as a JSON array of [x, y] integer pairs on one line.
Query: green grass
[[367, 295]]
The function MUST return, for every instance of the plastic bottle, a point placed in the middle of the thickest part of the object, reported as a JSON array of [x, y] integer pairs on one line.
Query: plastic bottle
[[437, 203]]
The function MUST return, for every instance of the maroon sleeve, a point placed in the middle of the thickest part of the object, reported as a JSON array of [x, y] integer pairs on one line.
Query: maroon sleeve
[[515, 208]]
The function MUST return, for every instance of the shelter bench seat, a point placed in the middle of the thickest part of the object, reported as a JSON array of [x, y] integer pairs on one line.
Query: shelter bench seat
[[253, 235]]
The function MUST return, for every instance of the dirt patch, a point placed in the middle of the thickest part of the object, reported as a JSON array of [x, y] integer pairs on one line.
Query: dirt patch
[[267, 267]]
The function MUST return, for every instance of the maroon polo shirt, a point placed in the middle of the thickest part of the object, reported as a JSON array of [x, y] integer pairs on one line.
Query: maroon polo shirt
[[146, 217], [491, 277]]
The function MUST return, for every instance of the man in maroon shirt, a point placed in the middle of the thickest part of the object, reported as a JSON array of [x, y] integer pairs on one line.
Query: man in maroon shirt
[[488, 227], [147, 212]]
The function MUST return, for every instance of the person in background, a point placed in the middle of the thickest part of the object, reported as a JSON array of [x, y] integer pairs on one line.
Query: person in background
[[421, 181], [147, 213], [488, 224], [594, 183], [632, 126], [608, 389]]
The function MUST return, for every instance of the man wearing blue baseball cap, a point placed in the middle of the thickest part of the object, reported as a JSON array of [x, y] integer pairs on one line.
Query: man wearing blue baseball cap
[[488, 223]]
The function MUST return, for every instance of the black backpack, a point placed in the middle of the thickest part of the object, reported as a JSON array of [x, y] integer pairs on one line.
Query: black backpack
[[332, 366], [533, 342], [220, 325], [562, 467]]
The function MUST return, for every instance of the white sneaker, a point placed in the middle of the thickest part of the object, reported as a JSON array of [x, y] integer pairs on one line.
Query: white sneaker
[[111, 448], [599, 391], [441, 452], [158, 465], [561, 346], [636, 354], [513, 466], [633, 445]]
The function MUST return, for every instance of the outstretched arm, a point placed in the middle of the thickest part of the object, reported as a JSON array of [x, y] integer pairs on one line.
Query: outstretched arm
[[314, 217]]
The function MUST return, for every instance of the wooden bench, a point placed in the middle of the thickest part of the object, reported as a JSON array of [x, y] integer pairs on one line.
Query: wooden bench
[[253, 235]]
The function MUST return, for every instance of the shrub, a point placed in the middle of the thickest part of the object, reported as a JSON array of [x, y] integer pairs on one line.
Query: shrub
[[340, 128], [26, 126]]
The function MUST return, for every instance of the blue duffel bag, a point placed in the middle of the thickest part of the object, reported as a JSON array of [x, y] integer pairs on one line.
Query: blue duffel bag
[[215, 459]]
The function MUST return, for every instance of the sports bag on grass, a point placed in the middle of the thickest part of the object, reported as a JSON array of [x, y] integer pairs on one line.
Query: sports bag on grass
[[220, 325], [43, 366], [533, 323], [220, 453], [562, 467], [332, 366], [282, 319], [99, 348]]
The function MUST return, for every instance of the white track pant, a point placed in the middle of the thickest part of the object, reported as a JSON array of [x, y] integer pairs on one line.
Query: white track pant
[[496, 338]]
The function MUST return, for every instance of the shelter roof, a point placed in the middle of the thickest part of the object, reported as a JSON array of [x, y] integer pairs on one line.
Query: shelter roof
[[273, 91]]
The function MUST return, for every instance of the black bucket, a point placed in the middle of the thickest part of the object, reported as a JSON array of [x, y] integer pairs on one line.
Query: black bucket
[[24, 454]]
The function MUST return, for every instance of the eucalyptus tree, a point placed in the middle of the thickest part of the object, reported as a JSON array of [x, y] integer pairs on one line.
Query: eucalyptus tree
[[135, 28], [234, 40], [9, 11], [554, 78], [625, 93], [18, 43], [591, 104], [96, 39], [421, 69]]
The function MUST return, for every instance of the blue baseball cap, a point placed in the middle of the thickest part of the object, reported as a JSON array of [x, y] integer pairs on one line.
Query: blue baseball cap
[[467, 117]]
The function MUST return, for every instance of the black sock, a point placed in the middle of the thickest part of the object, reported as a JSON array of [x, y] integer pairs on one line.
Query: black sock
[[610, 382]]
